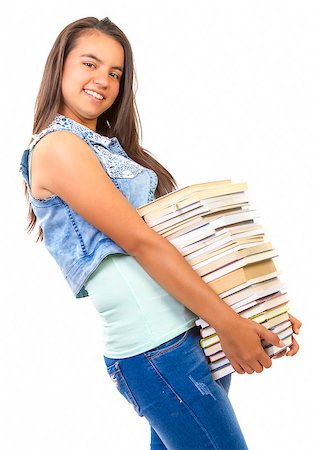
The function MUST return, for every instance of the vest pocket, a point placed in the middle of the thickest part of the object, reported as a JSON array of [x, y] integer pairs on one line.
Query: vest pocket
[[117, 166]]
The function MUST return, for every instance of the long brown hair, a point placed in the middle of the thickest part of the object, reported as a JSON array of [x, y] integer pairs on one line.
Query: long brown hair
[[120, 120]]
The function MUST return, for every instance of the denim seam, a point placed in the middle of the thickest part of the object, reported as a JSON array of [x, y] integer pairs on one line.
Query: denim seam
[[183, 402], [76, 229], [118, 371], [167, 349]]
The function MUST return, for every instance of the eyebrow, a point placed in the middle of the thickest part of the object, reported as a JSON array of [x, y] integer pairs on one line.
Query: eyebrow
[[89, 55]]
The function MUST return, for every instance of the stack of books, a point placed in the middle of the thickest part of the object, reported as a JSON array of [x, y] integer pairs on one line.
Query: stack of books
[[217, 231]]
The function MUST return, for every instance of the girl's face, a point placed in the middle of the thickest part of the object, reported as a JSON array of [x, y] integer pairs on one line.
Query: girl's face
[[91, 78]]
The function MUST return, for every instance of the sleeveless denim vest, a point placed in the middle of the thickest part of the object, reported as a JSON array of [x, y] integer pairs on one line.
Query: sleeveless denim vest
[[76, 245]]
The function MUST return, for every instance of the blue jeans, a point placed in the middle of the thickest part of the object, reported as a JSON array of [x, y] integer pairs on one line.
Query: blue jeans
[[172, 387]]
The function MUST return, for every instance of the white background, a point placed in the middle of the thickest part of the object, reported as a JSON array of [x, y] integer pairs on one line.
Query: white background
[[226, 90]]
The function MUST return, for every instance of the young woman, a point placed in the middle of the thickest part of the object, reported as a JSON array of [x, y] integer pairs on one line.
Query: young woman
[[85, 174]]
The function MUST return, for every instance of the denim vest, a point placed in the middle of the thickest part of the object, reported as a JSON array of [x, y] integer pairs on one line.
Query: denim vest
[[76, 245]]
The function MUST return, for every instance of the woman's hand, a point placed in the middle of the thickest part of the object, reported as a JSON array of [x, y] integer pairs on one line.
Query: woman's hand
[[294, 348], [241, 343]]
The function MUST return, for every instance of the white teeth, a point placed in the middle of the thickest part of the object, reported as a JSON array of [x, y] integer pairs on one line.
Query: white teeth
[[95, 94]]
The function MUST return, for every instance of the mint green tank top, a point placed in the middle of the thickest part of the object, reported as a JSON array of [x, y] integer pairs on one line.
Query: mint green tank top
[[136, 313]]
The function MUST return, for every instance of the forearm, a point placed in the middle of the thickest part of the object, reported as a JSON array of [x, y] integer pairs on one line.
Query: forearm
[[166, 265]]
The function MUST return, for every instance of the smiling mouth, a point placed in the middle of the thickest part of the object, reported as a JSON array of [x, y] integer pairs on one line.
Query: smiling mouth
[[94, 94]]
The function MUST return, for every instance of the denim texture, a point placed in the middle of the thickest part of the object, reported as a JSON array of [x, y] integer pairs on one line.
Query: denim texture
[[76, 245], [172, 387]]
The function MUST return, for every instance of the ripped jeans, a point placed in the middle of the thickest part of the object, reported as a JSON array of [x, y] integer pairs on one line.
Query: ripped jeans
[[171, 386]]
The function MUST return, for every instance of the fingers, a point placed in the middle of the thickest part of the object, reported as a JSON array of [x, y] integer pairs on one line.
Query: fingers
[[280, 354], [244, 368], [265, 360], [251, 367], [237, 368], [296, 324], [255, 367], [294, 348], [269, 336]]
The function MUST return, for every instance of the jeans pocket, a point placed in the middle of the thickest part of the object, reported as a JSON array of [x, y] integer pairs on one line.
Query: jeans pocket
[[121, 384], [167, 346]]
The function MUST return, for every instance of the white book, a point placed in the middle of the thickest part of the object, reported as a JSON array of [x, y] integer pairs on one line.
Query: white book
[[173, 214], [274, 321], [265, 306], [228, 199], [219, 222], [193, 236], [270, 323], [212, 245], [238, 264], [281, 326], [214, 203], [255, 291], [220, 254], [248, 283], [220, 373], [226, 235], [221, 362], [273, 349], [260, 318], [211, 340], [242, 306], [212, 349], [278, 327], [200, 209], [216, 356], [284, 334]]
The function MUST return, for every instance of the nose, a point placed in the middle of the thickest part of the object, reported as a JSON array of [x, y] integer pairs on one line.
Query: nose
[[101, 80]]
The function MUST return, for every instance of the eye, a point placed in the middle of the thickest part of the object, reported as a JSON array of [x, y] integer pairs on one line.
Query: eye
[[89, 65], [115, 75]]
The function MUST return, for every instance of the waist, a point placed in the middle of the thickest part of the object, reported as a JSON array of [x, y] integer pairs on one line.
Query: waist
[[136, 313]]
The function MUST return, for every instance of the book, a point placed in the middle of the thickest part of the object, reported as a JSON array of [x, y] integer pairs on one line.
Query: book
[[217, 346], [256, 271], [227, 368], [273, 350], [222, 372], [255, 291], [220, 363], [215, 228], [216, 356], [200, 209], [276, 324], [184, 196], [250, 282], [223, 367], [269, 323], [207, 223], [213, 204], [224, 236], [265, 305], [234, 265], [219, 248], [229, 254], [259, 318]]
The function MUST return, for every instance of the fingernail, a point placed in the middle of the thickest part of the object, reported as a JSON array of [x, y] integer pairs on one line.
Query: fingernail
[[282, 344]]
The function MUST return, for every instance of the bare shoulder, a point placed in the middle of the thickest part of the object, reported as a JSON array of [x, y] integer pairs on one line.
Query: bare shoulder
[[53, 150], [61, 143], [69, 168]]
